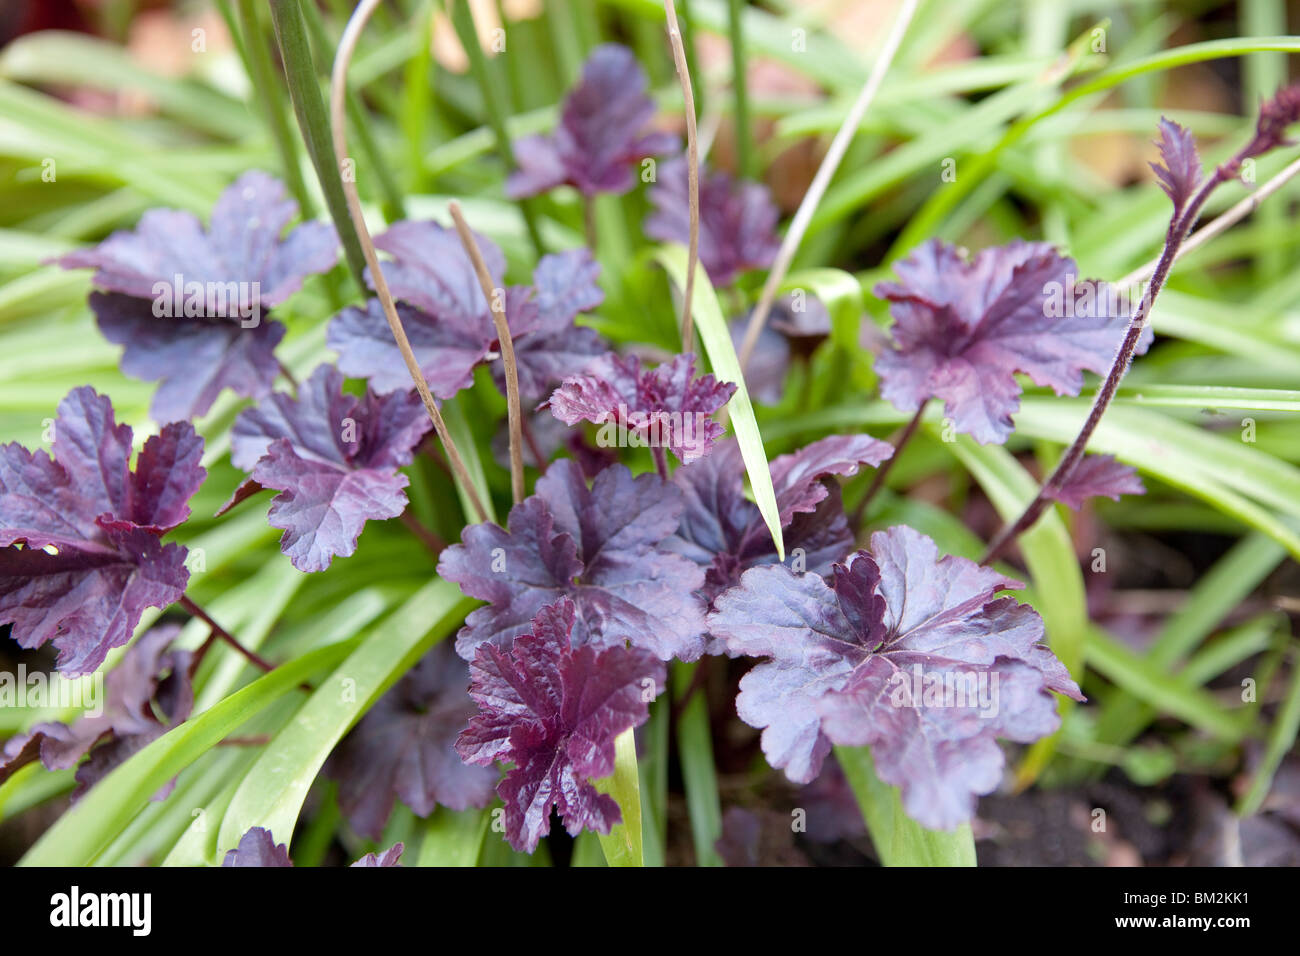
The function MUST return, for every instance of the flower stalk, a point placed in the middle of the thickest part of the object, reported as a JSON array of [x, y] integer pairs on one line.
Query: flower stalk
[[338, 85], [1275, 116], [497, 306], [692, 173]]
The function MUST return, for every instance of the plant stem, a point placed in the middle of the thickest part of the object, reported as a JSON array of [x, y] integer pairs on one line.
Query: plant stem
[[878, 482], [304, 91], [262, 75], [428, 537], [533, 447], [284, 370], [1224, 222], [220, 632], [834, 155], [338, 84], [589, 221], [740, 87], [462, 18], [496, 304], [661, 461], [692, 175], [692, 57]]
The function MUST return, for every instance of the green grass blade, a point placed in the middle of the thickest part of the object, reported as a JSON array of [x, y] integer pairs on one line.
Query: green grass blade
[[699, 774], [273, 791], [900, 840], [623, 843], [712, 325], [80, 833]]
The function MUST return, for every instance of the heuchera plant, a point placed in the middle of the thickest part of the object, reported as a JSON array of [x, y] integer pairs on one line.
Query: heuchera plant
[[188, 303], [333, 457], [900, 650], [449, 323], [599, 546], [611, 567], [737, 220], [149, 691], [601, 137], [552, 708], [664, 407], [81, 554], [962, 329], [404, 749]]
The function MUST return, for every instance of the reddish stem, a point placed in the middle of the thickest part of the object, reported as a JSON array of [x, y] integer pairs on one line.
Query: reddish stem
[[220, 632], [899, 442]]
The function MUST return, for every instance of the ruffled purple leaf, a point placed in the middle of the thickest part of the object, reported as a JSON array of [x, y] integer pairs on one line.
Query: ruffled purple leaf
[[447, 351], [257, 847], [598, 546], [722, 531], [404, 749], [963, 329], [449, 322], [737, 219], [1179, 169], [80, 555], [333, 457], [600, 138], [1097, 476], [663, 407], [857, 661], [188, 304], [768, 364], [553, 707]]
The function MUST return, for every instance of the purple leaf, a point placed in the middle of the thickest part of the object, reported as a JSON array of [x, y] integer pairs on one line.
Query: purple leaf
[[963, 329], [553, 709], [388, 858], [600, 547], [449, 322], [257, 847], [737, 219], [768, 364], [80, 556], [149, 683], [865, 660], [565, 285], [447, 350], [1097, 476], [187, 303], [333, 457], [599, 140], [662, 407], [404, 749], [797, 478], [722, 531], [1179, 169]]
